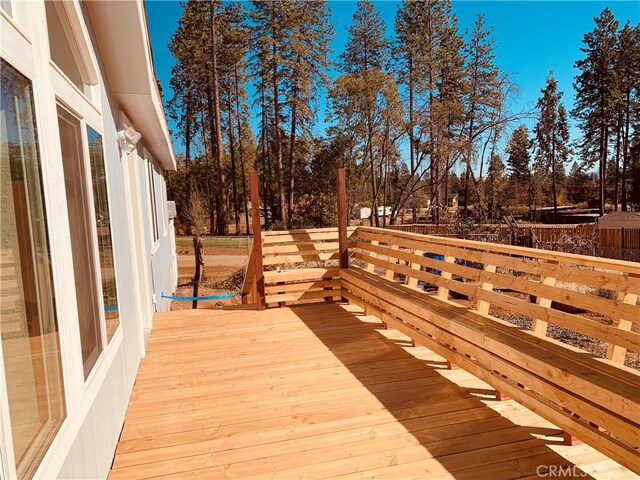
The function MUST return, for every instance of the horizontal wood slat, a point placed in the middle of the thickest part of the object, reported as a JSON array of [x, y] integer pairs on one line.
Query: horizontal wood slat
[[583, 260], [303, 295], [300, 275], [383, 249]]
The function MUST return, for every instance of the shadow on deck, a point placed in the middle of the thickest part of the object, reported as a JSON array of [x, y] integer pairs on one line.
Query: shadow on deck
[[320, 391]]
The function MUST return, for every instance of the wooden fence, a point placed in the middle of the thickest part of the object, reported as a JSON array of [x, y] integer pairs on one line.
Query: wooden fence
[[586, 239]]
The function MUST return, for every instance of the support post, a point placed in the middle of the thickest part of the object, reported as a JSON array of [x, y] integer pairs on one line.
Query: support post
[[257, 241], [343, 244], [616, 352], [197, 252]]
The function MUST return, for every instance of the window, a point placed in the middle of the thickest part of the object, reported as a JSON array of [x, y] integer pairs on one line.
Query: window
[[30, 339], [79, 213], [103, 225], [152, 200], [6, 6], [68, 49], [165, 209]]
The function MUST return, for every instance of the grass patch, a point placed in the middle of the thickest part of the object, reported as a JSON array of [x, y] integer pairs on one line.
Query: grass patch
[[215, 242]]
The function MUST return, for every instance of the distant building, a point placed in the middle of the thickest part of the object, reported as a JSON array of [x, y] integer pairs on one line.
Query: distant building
[[620, 220], [365, 212]]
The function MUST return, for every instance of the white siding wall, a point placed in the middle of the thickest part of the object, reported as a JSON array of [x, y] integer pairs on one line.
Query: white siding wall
[[86, 442]]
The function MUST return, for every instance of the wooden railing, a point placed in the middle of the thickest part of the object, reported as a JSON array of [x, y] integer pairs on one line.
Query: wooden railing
[[588, 239], [301, 266], [449, 294], [491, 274]]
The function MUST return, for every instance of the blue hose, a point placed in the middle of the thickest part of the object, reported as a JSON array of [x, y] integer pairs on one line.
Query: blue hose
[[209, 297]]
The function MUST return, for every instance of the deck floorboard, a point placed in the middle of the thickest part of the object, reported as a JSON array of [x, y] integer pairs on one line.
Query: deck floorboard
[[321, 391]]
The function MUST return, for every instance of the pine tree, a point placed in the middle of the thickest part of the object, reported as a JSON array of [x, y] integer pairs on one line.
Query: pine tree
[[577, 181], [627, 65], [307, 60], [483, 95], [552, 134], [271, 32], [235, 36], [634, 167], [193, 83], [430, 64], [519, 158], [595, 88], [367, 48], [361, 96], [497, 184]]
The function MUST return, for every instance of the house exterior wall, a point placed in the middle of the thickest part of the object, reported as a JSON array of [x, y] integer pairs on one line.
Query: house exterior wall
[[85, 443]]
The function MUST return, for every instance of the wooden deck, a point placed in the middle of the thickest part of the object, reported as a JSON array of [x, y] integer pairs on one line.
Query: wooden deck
[[320, 391]]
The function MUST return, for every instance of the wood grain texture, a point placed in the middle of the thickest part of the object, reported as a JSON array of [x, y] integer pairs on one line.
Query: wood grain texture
[[314, 391]]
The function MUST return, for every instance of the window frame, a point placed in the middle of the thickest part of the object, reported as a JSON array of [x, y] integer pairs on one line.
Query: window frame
[[153, 202], [24, 64], [86, 170], [163, 201], [87, 154], [75, 30]]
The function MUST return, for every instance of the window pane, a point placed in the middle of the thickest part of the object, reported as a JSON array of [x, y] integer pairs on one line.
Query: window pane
[[103, 224], [152, 201], [84, 266], [6, 6], [30, 341], [62, 50]]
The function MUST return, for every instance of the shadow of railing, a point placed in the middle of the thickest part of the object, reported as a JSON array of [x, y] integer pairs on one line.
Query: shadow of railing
[[454, 431]]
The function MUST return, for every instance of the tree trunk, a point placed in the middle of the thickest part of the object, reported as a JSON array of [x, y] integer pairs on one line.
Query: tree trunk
[[618, 140], [209, 144], [603, 166], [292, 142], [625, 151], [241, 151], [553, 175], [187, 161], [412, 157], [468, 159], [276, 123], [232, 154], [221, 190]]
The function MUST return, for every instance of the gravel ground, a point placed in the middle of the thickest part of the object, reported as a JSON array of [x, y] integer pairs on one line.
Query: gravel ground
[[579, 340]]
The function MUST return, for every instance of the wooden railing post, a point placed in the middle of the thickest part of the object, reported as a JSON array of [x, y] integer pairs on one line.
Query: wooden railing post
[[371, 266], [443, 292], [413, 281], [539, 326], [257, 241], [343, 245], [391, 260], [483, 306], [616, 352]]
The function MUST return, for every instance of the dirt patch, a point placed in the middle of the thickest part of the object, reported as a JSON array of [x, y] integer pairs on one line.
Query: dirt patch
[[218, 280], [214, 251], [202, 304]]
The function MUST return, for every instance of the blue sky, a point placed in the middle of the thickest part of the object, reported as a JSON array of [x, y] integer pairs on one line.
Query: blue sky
[[531, 38]]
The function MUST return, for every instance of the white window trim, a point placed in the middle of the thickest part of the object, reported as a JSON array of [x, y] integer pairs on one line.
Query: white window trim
[[99, 131], [94, 247], [13, 22], [163, 200], [78, 36], [153, 205]]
